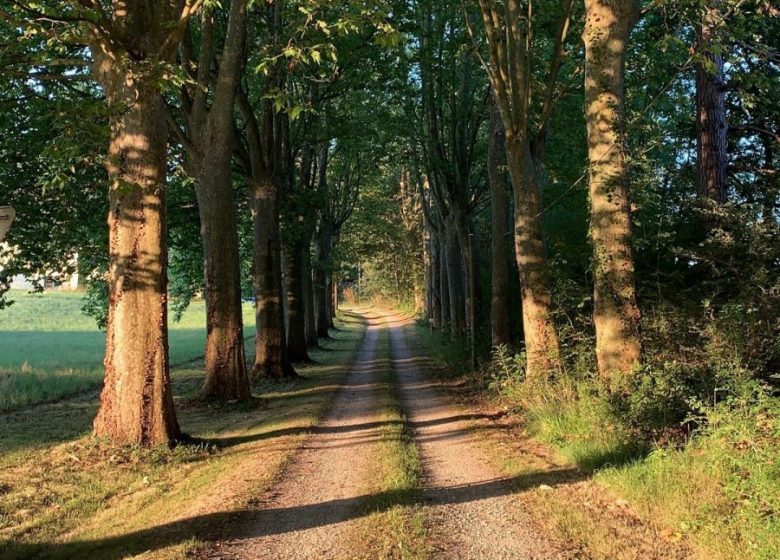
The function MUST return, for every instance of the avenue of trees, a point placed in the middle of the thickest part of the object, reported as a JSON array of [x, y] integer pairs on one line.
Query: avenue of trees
[[590, 184]]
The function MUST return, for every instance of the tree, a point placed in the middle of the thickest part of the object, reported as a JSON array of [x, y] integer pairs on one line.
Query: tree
[[711, 127], [501, 209], [340, 191], [454, 103], [608, 27], [509, 66], [208, 105], [131, 47]]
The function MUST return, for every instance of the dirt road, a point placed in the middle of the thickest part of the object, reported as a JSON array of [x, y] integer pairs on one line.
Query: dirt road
[[314, 510]]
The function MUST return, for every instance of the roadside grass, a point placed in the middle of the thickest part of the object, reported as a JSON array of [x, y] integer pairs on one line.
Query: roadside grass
[[64, 494], [720, 491], [50, 350], [395, 528]]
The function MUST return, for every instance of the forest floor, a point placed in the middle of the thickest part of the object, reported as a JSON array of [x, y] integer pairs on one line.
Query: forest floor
[[371, 455]]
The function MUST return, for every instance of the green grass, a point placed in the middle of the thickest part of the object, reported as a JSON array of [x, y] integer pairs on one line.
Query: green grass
[[49, 349], [396, 528], [69, 495]]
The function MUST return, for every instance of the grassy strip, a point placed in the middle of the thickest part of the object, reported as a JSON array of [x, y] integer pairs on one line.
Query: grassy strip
[[50, 350], [73, 496], [720, 492], [395, 526]]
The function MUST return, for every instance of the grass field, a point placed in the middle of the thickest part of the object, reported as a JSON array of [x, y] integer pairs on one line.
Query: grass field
[[64, 494], [49, 349]]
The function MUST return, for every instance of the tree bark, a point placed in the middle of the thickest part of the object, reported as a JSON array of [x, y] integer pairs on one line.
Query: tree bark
[[541, 338], [500, 246], [444, 286], [711, 126], [226, 373], [435, 272], [322, 295], [457, 296], [616, 315], [136, 404], [308, 296], [296, 307], [272, 359], [468, 241], [209, 150]]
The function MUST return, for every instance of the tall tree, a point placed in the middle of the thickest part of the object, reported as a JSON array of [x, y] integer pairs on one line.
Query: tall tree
[[608, 26], [501, 209], [208, 106], [298, 248], [711, 126], [263, 152], [509, 32], [131, 46], [340, 191], [454, 104]]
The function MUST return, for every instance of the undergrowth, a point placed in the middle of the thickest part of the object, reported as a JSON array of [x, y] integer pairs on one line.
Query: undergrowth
[[693, 445]]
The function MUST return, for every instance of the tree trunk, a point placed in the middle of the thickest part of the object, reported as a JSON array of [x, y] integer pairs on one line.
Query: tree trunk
[[226, 374], [435, 282], [322, 296], [457, 296], [308, 296], [500, 246], [136, 404], [468, 241], [271, 356], [334, 302], [444, 286], [541, 339], [296, 307], [616, 315], [711, 127], [427, 276]]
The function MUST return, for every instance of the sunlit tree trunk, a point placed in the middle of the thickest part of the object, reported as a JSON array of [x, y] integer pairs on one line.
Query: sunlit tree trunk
[[608, 26], [508, 30], [136, 404], [541, 338], [711, 126], [226, 374], [501, 207]]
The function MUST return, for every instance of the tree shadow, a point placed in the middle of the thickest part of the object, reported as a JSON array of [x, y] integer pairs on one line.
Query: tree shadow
[[252, 523]]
